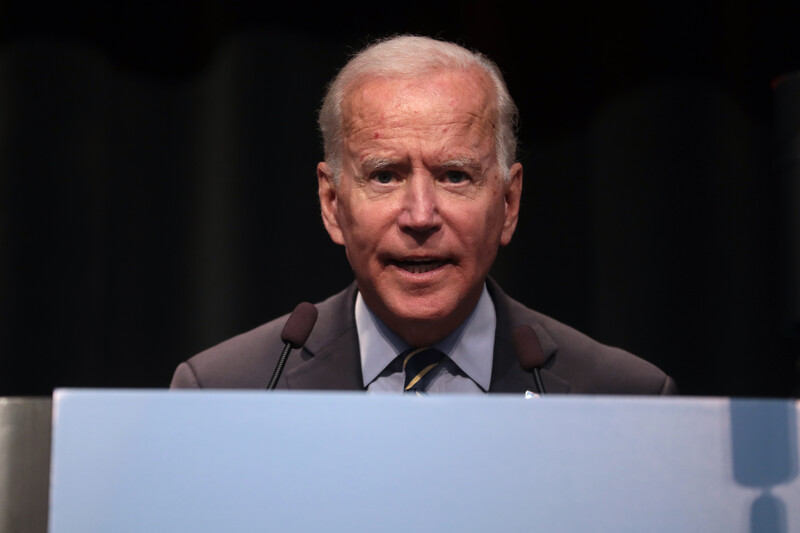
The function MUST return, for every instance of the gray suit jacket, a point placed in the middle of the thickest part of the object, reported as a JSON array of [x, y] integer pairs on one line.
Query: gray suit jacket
[[330, 359]]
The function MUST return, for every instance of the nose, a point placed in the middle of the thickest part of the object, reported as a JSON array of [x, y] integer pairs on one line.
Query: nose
[[420, 211]]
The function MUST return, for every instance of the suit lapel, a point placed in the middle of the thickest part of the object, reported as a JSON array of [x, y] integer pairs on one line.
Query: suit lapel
[[507, 374], [337, 366], [331, 359]]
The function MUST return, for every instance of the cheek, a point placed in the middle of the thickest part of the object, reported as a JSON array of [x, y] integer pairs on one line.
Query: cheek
[[497, 213], [474, 231], [364, 225], [488, 228]]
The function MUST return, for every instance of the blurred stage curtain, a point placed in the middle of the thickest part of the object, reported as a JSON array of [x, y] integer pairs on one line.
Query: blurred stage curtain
[[144, 218], [136, 211]]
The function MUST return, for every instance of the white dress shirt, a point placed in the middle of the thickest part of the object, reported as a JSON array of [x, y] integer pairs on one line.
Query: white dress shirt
[[470, 350]]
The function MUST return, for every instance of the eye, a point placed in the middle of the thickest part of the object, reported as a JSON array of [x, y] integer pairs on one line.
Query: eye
[[384, 177], [456, 176]]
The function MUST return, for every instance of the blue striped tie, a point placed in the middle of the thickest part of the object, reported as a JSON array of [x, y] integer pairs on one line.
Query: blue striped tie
[[418, 366]]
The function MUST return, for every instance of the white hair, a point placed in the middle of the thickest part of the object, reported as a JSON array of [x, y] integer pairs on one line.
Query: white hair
[[409, 56]]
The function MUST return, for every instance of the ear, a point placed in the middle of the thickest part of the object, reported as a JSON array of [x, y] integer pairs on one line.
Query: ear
[[512, 198], [328, 202]]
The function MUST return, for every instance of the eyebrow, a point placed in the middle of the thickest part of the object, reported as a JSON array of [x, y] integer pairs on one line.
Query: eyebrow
[[377, 163], [373, 163], [462, 162]]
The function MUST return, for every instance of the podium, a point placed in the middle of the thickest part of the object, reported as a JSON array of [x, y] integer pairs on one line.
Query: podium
[[210, 461]]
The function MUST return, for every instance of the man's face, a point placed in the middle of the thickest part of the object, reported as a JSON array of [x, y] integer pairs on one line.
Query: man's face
[[421, 206]]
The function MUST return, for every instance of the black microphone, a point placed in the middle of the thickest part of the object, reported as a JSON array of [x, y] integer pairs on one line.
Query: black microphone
[[529, 352], [294, 335]]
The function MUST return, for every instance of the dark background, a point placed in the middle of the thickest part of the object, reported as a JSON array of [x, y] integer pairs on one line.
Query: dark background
[[157, 178]]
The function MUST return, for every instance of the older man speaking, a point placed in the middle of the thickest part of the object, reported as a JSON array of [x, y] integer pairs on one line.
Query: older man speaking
[[421, 187]]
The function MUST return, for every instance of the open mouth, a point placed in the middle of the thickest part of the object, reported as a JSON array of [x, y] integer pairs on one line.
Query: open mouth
[[420, 266]]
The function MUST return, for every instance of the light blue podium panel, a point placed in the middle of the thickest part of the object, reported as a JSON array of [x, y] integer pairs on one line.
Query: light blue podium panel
[[192, 461]]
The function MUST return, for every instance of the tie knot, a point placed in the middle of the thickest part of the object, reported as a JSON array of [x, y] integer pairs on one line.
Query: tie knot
[[418, 364]]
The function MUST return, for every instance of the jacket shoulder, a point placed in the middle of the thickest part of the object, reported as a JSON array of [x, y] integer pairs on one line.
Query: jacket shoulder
[[241, 362], [247, 361], [588, 366]]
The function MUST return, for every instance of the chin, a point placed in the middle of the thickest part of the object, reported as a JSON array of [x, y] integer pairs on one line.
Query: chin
[[421, 308], [423, 313]]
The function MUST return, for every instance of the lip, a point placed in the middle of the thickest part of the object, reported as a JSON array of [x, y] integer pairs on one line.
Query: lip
[[419, 266]]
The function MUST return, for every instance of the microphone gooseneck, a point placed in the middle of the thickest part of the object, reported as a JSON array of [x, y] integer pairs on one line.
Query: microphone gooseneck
[[294, 335], [529, 352]]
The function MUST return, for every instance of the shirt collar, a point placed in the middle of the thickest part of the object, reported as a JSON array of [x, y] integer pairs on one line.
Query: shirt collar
[[470, 346]]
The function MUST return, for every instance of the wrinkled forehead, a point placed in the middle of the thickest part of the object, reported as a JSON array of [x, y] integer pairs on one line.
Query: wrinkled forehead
[[438, 93]]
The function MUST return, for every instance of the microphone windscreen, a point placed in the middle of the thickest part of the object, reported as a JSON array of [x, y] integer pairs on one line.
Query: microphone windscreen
[[529, 349], [299, 325]]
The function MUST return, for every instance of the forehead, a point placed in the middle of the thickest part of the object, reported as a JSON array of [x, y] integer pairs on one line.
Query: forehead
[[440, 97]]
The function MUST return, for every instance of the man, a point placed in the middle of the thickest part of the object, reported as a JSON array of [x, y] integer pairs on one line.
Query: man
[[420, 186]]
